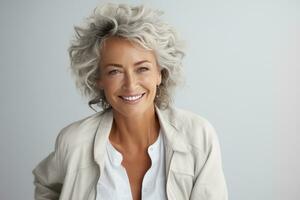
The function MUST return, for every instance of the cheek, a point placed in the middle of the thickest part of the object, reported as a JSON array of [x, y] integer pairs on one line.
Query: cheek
[[155, 78], [111, 85], [150, 84]]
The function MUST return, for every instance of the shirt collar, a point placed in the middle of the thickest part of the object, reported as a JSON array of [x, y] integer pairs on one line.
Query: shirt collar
[[114, 155]]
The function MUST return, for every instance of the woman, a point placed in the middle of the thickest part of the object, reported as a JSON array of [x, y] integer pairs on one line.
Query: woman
[[127, 61]]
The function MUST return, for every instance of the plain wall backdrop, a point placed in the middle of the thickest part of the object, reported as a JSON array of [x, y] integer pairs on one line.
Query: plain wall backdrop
[[242, 74]]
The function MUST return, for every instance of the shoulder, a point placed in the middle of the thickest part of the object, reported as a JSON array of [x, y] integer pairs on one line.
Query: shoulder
[[197, 132], [78, 132], [185, 119]]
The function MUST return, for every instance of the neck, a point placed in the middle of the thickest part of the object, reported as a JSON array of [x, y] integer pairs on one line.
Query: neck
[[135, 132]]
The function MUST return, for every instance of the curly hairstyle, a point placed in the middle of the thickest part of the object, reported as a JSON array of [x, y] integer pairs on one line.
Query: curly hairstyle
[[137, 24]]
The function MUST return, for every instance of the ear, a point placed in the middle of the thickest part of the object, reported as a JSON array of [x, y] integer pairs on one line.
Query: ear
[[159, 77], [99, 84]]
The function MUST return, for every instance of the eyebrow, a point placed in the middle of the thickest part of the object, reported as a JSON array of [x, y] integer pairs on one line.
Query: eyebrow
[[118, 65]]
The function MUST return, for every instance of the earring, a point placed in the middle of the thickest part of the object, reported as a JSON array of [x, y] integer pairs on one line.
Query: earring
[[102, 98], [157, 91]]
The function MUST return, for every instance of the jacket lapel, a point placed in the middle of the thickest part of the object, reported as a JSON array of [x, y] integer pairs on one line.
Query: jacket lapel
[[99, 150], [173, 141]]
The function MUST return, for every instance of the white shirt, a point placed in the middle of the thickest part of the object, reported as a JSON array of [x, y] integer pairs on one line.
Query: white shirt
[[114, 183]]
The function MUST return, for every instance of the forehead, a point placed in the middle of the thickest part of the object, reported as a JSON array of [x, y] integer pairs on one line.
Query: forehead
[[116, 49]]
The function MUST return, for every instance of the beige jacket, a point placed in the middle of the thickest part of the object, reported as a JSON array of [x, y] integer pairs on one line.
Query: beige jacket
[[192, 152]]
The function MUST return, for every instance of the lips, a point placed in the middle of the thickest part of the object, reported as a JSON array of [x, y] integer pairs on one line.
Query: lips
[[132, 98]]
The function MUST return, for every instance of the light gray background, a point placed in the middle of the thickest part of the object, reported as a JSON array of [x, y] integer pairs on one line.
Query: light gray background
[[241, 69]]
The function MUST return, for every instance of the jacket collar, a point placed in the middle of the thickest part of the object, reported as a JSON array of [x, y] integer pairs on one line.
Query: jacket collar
[[169, 123]]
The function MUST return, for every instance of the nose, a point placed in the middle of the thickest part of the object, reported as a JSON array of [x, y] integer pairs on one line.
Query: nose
[[130, 81]]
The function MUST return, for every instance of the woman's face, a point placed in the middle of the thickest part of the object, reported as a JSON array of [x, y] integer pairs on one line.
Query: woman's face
[[129, 76]]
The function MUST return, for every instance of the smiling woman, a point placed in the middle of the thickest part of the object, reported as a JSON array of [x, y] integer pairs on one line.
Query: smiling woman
[[129, 78], [127, 61], [137, 24]]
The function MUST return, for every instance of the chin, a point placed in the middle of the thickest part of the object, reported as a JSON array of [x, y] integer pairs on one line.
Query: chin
[[133, 110]]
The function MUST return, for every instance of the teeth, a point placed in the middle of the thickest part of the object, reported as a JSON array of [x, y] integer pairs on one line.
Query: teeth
[[132, 98]]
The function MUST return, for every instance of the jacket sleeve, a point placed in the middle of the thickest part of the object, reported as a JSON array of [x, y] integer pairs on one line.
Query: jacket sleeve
[[210, 183], [48, 175]]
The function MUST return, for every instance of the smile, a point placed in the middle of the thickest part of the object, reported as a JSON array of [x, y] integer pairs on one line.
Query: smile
[[132, 98]]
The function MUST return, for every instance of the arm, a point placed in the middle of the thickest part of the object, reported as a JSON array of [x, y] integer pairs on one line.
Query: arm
[[48, 176], [210, 182]]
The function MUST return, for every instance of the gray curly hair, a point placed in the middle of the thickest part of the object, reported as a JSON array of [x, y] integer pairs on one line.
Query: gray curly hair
[[137, 24]]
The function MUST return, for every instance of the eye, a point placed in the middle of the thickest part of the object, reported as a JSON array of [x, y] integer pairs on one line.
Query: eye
[[113, 72], [143, 69]]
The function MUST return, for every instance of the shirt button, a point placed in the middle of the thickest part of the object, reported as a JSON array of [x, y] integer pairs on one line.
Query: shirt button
[[151, 148]]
